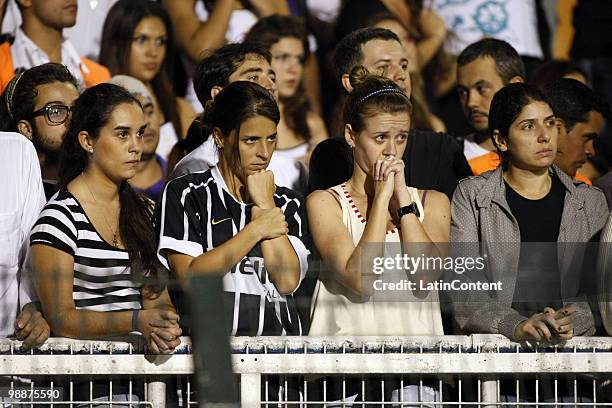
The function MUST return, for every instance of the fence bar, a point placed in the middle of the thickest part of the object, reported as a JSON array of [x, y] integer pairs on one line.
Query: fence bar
[[477, 363], [156, 392], [488, 391], [250, 390]]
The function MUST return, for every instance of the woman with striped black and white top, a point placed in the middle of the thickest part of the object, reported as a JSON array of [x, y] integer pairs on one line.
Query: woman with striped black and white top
[[233, 221], [93, 246]]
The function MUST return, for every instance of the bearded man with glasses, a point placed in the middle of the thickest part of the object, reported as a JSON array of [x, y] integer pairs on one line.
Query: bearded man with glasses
[[37, 104]]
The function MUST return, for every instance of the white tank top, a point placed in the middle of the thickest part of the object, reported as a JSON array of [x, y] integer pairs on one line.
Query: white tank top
[[337, 311]]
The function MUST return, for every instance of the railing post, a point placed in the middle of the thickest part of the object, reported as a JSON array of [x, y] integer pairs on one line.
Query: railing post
[[488, 391], [250, 390], [156, 392]]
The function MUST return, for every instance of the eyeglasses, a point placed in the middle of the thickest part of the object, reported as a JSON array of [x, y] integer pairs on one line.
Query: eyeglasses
[[56, 113]]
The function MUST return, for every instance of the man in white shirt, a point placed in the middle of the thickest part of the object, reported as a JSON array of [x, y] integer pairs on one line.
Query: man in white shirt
[[40, 40], [22, 200], [85, 35]]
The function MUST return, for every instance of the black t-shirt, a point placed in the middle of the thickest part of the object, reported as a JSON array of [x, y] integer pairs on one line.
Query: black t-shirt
[[356, 14], [593, 25], [538, 280], [539, 220], [50, 187]]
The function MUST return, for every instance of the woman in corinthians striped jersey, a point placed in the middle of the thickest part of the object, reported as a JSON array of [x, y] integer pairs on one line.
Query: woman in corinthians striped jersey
[[233, 221], [93, 246]]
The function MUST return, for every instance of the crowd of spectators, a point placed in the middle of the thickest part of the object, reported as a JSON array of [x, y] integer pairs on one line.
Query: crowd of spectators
[[286, 145]]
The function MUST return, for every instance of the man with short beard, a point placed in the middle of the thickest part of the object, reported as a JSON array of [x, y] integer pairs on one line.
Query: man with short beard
[[581, 114], [483, 68], [37, 104]]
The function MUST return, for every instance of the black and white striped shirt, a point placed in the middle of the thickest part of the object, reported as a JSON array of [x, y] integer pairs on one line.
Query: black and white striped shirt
[[197, 214], [103, 279]]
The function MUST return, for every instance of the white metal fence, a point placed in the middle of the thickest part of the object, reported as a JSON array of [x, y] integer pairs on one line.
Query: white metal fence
[[463, 371]]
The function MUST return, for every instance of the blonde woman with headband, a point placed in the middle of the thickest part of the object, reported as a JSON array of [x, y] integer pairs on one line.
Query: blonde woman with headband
[[352, 224]]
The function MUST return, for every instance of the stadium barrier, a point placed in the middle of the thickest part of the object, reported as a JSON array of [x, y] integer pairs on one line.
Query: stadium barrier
[[466, 371]]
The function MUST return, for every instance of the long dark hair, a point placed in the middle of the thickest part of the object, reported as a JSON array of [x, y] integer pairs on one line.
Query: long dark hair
[[17, 101], [91, 112], [117, 38], [267, 32], [236, 103]]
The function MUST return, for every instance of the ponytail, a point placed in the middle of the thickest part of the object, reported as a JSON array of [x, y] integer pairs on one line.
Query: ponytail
[[136, 219]]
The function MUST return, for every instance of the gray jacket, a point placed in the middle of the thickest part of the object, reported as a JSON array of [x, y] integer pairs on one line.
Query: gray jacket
[[480, 213], [604, 266]]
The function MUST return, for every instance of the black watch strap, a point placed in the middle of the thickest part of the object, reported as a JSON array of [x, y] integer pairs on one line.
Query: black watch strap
[[408, 209]]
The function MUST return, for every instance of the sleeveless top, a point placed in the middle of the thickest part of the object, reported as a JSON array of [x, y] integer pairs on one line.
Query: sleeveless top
[[337, 311]]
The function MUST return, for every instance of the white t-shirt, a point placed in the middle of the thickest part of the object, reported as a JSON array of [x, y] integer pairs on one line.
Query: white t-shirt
[[86, 34], [240, 22], [514, 21], [472, 150], [167, 140], [26, 54], [23, 198], [325, 10], [337, 311], [12, 17]]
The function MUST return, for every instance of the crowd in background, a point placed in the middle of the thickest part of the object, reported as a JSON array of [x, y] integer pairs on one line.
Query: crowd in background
[[287, 144]]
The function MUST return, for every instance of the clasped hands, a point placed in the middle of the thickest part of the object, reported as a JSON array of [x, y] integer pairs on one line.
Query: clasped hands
[[548, 326], [390, 182], [160, 329]]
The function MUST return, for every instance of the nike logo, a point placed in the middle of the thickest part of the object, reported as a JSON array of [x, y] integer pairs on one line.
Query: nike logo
[[219, 221]]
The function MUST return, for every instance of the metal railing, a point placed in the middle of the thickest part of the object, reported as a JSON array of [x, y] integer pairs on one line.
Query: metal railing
[[466, 371]]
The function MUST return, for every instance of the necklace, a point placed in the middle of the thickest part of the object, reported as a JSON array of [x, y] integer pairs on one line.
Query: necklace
[[115, 232]]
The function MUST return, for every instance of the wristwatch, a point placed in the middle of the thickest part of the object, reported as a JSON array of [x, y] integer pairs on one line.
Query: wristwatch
[[408, 209]]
